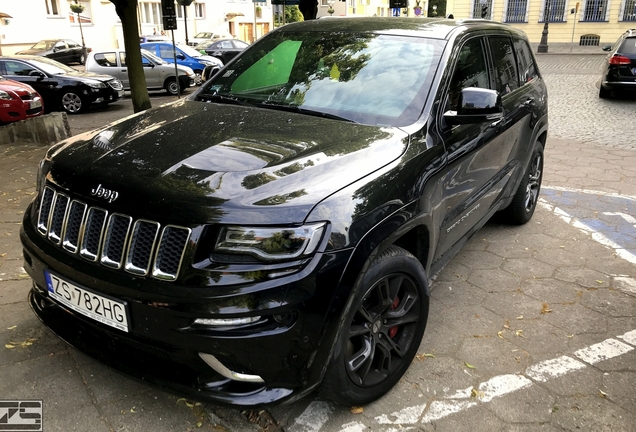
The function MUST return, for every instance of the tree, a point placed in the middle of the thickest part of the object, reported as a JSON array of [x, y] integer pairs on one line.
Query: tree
[[127, 12], [293, 14]]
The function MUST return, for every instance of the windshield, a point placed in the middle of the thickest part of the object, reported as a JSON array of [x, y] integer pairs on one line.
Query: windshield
[[204, 35], [363, 77], [51, 66], [44, 45]]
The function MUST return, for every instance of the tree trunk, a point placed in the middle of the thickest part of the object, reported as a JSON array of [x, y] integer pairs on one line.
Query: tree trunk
[[309, 9], [127, 12]]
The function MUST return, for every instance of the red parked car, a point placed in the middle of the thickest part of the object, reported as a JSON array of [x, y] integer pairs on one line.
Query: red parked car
[[18, 101]]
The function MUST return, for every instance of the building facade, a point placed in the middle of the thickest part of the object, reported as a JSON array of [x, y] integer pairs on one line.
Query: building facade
[[578, 22], [34, 20]]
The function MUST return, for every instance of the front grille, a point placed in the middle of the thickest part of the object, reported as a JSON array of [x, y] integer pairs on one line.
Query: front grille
[[116, 239]]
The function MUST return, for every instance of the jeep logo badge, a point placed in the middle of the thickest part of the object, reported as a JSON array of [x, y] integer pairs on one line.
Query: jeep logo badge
[[107, 194]]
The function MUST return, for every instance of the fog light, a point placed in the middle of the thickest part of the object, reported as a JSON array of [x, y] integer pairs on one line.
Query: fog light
[[99, 100], [226, 321], [223, 371]]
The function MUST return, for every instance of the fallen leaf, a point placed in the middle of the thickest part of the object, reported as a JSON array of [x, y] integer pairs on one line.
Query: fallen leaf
[[519, 333], [12, 327], [133, 410], [569, 336], [423, 356], [9, 346], [507, 325], [468, 365], [545, 308], [600, 282], [476, 394], [356, 409], [520, 317], [23, 276], [500, 334], [199, 424], [3, 255], [601, 393]]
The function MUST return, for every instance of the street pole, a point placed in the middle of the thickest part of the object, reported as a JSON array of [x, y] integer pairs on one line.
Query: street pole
[[543, 45], [574, 11], [185, 22]]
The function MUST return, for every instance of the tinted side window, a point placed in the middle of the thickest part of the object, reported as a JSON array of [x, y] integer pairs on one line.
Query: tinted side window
[[107, 59], [166, 51], [470, 71], [17, 68], [527, 68], [503, 57], [628, 46], [151, 47]]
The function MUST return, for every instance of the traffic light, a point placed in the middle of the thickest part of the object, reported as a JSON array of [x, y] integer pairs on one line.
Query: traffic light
[[484, 11]]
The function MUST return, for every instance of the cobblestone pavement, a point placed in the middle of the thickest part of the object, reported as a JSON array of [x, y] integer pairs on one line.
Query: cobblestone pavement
[[531, 328]]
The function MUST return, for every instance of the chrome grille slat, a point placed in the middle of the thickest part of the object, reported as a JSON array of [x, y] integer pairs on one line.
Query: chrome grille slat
[[115, 241], [93, 233], [58, 218], [112, 240], [170, 252], [144, 237], [73, 227]]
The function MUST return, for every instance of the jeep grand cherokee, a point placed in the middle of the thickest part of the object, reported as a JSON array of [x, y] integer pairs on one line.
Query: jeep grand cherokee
[[279, 228]]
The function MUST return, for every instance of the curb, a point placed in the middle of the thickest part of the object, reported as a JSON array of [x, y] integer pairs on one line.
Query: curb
[[45, 130]]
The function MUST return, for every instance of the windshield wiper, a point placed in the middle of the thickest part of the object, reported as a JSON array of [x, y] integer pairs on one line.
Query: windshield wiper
[[299, 110], [215, 97]]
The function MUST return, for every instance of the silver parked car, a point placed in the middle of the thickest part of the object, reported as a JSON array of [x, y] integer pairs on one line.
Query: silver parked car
[[159, 74]]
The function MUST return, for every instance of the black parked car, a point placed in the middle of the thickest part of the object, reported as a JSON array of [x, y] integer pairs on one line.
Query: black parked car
[[620, 71], [223, 49], [63, 50], [60, 86], [279, 228]]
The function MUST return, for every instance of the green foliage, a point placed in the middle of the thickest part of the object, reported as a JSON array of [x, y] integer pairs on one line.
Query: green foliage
[[77, 8], [292, 14]]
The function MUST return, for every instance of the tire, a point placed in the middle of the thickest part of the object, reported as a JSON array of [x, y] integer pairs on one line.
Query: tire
[[381, 332], [604, 93], [171, 86], [525, 199], [73, 103], [198, 77]]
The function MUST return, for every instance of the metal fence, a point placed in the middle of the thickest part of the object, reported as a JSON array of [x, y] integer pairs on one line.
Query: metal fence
[[595, 10], [553, 10], [516, 11]]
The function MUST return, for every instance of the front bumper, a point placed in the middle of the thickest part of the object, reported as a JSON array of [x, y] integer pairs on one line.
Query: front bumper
[[288, 348]]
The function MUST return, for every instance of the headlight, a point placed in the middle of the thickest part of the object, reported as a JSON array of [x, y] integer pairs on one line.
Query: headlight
[[270, 243], [95, 84], [4, 95]]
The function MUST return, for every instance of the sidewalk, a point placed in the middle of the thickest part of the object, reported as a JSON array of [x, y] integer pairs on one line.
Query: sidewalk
[[570, 48]]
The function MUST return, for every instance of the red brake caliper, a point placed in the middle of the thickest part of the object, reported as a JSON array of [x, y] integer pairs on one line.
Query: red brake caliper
[[393, 330]]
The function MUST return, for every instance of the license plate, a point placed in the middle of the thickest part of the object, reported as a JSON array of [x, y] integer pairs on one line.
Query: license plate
[[35, 104], [106, 310]]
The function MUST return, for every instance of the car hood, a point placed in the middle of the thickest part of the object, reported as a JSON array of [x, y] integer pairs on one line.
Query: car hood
[[82, 76], [15, 86], [32, 51], [210, 59], [196, 162]]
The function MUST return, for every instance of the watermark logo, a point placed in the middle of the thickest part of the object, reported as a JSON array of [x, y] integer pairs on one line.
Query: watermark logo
[[20, 416]]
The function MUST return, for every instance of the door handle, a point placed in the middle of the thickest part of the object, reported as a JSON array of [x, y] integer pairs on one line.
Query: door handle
[[529, 102], [497, 123]]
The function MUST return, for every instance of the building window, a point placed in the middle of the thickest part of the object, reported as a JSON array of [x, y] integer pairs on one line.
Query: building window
[[86, 16], [199, 10], [553, 10], [52, 7], [179, 9], [516, 11], [594, 10], [629, 11], [482, 9], [324, 3], [150, 13]]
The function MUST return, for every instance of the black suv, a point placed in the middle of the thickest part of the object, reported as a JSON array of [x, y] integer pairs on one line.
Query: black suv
[[279, 228], [619, 73]]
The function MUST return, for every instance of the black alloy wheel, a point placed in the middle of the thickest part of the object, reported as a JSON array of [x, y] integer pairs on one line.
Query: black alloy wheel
[[382, 332], [525, 200]]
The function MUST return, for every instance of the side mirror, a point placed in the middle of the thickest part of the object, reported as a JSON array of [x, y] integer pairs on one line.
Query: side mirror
[[476, 105], [607, 48], [181, 56], [36, 73]]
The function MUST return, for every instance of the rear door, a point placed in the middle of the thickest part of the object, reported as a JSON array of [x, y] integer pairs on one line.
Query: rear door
[[152, 72], [106, 63], [60, 52]]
